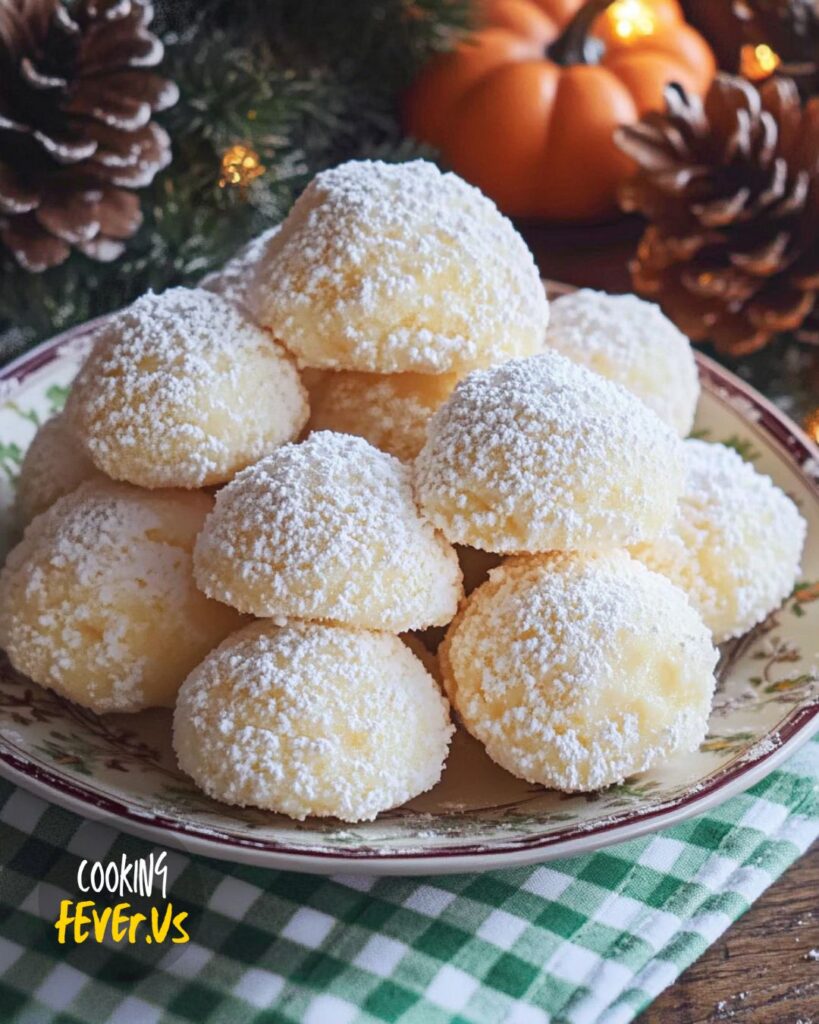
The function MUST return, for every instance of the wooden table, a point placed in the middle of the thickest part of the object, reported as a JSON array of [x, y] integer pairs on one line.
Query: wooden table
[[765, 969], [762, 971]]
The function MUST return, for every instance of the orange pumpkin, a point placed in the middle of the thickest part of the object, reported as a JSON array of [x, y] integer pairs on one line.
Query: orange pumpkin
[[526, 107]]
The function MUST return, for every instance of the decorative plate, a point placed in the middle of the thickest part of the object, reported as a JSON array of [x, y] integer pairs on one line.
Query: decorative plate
[[120, 768]]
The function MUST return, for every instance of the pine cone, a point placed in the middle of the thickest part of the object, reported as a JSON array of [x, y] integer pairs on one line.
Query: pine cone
[[730, 187], [76, 133]]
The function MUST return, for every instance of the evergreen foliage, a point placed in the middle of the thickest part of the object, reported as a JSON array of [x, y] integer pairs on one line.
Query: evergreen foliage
[[306, 83]]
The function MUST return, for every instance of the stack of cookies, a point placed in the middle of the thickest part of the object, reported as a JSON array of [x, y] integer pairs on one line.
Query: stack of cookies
[[263, 491]]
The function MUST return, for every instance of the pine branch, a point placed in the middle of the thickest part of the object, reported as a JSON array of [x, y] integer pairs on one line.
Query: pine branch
[[306, 83]]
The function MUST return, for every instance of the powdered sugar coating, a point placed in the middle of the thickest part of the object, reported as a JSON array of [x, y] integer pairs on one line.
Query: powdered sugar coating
[[327, 529], [396, 267], [181, 390], [632, 342], [236, 282], [98, 600], [541, 454], [389, 410], [427, 657], [55, 464], [475, 565], [307, 719], [576, 671], [735, 543]]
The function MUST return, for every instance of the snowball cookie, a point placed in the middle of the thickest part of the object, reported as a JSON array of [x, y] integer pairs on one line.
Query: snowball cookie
[[542, 454], [632, 342], [576, 671], [327, 529], [428, 658], [735, 543], [236, 281], [475, 565], [54, 464], [98, 600], [180, 390], [397, 267], [307, 719], [390, 410]]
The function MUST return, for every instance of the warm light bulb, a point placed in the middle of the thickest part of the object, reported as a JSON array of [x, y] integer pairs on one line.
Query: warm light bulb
[[758, 61], [631, 19], [240, 166]]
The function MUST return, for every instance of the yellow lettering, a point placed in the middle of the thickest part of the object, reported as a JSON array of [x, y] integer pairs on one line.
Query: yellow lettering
[[64, 920], [177, 923], [160, 932], [118, 927], [136, 920], [100, 923], [80, 919]]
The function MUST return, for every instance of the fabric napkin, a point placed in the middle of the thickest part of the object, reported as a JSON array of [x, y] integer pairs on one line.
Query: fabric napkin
[[591, 940]]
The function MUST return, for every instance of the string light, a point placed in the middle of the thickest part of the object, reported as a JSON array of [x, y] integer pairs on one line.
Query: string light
[[758, 61], [240, 166], [631, 19]]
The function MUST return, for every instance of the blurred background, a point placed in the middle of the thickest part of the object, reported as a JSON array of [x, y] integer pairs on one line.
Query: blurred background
[[670, 148]]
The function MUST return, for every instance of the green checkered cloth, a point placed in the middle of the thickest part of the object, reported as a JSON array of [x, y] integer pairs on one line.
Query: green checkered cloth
[[590, 940]]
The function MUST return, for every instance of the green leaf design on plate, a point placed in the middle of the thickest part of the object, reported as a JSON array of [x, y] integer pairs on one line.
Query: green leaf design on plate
[[743, 447], [11, 455], [57, 395]]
